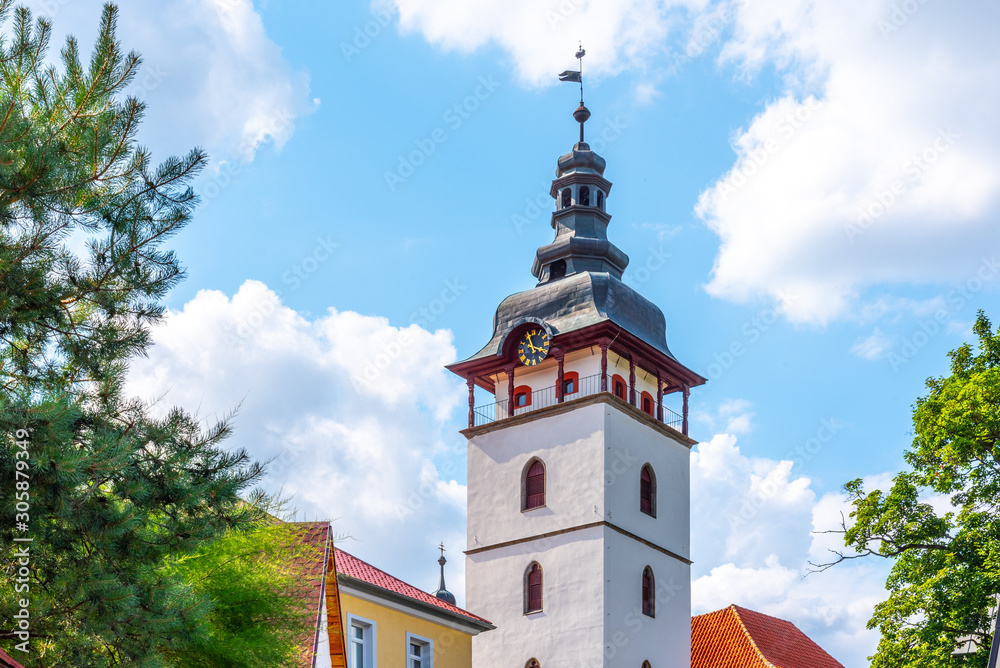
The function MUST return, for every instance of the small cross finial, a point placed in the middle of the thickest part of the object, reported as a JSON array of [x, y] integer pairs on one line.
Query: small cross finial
[[441, 547]]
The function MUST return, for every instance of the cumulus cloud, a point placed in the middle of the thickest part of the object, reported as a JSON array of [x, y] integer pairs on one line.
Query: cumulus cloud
[[880, 165], [211, 75], [352, 410], [756, 527], [540, 37]]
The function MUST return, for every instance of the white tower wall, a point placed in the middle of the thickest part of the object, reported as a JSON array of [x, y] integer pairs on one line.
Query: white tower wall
[[590, 538]]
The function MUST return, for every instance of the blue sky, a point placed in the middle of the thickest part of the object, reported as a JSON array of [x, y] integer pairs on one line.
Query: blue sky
[[809, 192]]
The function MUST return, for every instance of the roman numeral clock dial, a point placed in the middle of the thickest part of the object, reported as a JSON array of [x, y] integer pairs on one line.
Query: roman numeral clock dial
[[534, 346]]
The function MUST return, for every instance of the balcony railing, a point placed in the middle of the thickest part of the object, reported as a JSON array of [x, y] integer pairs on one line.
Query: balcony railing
[[545, 397]]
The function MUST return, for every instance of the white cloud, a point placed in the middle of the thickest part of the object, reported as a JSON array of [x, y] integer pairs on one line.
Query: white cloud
[[889, 175], [211, 75], [874, 346], [353, 410], [756, 526], [541, 36]]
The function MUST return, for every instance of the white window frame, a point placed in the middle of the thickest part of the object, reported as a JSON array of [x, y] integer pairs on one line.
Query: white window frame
[[427, 643], [368, 641]]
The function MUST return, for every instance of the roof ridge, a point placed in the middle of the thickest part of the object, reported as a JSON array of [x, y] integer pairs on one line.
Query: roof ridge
[[749, 636]]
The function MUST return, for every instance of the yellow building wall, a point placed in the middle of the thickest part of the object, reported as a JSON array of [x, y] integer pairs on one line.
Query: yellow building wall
[[452, 649]]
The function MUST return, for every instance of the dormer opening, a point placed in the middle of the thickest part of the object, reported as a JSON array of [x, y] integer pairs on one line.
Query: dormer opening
[[557, 269], [584, 196]]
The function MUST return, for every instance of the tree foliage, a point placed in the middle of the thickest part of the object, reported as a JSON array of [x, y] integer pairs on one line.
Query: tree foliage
[[254, 582], [940, 521], [116, 491]]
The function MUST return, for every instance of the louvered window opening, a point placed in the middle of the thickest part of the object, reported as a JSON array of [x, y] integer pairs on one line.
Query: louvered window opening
[[647, 593], [534, 589], [534, 486], [646, 492]]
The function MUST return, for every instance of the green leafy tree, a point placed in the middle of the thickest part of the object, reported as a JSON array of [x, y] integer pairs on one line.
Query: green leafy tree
[[256, 582], [115, 492], [946, 568]]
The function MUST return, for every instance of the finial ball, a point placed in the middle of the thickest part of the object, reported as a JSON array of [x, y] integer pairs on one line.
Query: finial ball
[[581, 114]]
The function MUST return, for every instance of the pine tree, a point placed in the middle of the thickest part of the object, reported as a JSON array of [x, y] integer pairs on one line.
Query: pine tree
[[110, 493]]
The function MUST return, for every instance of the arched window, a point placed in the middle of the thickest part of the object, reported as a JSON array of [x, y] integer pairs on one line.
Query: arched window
[[533, 663], [648, 592], [647, 490], [534, 485], [571, 383], [619, 387], [648, 407], [533, 588], [567, 198], [600, 200], [584, 196], [522, 396]]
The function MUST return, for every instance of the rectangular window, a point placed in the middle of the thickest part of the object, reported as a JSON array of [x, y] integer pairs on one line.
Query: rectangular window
[[361, 643], [419, 652]]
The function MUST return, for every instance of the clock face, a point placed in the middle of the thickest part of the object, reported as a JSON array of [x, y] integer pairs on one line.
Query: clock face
[[534, 346]]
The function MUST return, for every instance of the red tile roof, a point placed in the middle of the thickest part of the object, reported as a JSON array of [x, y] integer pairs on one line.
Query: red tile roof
[[351, 566], [7, 661], [739, 638]]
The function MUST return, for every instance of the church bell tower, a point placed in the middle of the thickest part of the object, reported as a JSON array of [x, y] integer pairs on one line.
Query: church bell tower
[[578, 474]]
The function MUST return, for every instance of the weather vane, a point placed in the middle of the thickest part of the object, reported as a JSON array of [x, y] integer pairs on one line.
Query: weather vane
[[576, 75], [582, 113]]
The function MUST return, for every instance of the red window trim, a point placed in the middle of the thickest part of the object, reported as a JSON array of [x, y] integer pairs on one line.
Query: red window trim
[[652, 404], [615, 379], [525, 390], [571, 376]]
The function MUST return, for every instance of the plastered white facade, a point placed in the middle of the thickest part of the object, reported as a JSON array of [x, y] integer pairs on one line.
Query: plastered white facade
[[592, 593]]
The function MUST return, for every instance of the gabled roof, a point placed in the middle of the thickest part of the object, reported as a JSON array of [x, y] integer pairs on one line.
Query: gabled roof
[[352, 567], [739, 638]]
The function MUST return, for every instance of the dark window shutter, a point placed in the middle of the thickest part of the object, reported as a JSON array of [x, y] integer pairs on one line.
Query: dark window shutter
[[647, 592], [534, 588], [646, 491], [534, 486]]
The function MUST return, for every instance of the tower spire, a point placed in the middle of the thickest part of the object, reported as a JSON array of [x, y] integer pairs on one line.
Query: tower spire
[[442, 592]]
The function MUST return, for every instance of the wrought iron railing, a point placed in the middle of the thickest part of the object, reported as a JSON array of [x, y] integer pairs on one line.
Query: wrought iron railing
[[548, 396]]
